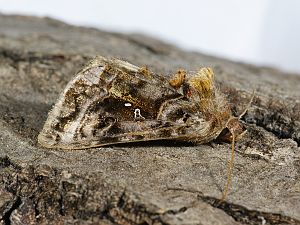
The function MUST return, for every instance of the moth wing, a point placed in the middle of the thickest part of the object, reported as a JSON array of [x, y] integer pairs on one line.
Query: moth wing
[[92, 110]]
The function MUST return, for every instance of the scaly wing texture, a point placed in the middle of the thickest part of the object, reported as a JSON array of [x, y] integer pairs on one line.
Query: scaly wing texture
[[92, 109]]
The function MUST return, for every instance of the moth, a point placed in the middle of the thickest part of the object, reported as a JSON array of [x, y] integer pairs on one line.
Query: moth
[[111, 101]]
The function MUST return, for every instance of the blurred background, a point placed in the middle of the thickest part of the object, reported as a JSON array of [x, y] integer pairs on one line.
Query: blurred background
[[262, 32]]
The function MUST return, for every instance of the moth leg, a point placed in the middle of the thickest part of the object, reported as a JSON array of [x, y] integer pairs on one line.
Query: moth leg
[[178, 79]]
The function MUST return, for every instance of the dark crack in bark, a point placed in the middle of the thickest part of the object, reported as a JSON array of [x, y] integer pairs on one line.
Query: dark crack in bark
[[6, 218], [246, 216]]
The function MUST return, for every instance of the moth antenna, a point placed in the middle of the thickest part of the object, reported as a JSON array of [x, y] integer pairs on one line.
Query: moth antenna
[[229, 169], [231, 162], [248, 105]]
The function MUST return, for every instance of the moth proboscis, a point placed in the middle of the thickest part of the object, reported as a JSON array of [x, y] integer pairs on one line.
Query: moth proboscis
[[111, 101]]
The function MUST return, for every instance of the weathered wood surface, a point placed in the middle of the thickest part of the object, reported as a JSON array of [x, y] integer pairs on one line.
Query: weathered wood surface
[[147, 183]]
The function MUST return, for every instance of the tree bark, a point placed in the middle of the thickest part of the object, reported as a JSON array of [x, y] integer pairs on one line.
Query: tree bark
[[145, 183]]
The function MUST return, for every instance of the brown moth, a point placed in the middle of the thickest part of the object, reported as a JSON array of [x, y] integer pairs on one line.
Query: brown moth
[[112, 101]]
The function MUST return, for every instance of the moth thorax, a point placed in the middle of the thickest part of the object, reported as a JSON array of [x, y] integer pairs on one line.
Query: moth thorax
[[203, 83]]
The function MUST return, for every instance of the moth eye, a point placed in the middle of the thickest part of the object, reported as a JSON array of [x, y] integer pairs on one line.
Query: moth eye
[[137, 114], [127, 104]]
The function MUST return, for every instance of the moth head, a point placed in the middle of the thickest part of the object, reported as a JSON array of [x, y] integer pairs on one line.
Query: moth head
[[233, 127]]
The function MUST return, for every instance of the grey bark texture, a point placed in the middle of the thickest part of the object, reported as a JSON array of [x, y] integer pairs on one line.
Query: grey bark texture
[[146, 183]]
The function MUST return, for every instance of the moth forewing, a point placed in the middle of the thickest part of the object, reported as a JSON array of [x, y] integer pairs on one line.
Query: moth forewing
[[96, 96]]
